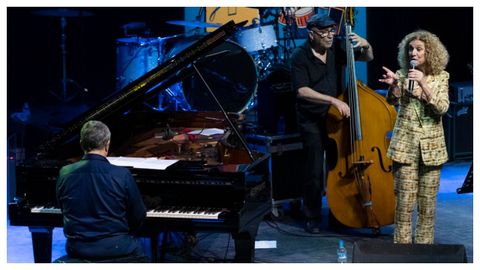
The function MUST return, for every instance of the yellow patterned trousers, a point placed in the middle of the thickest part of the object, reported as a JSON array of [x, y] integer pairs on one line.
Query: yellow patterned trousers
[[415, 185]]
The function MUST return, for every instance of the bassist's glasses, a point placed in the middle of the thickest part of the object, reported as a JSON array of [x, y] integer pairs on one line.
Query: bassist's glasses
[[324, 33]]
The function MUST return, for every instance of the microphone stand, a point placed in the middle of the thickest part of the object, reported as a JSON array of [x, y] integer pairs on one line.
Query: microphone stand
[[64, 57], [230, 123], [65, 80]]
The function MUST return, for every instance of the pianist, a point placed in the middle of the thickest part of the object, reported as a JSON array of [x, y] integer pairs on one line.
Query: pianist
[[101, 204]]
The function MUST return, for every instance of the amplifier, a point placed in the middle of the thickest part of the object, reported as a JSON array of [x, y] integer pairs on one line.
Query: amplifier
[[285, 163], [461, 92], [458, 126]]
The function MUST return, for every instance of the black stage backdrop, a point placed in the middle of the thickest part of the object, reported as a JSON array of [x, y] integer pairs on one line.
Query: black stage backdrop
[[387, 26]]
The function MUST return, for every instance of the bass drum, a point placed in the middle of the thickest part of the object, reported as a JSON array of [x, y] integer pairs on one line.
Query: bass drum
[[229, 71]]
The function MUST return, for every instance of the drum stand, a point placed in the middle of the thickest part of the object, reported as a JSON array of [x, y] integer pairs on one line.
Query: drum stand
[[170, 99], [288, 37], [64, 95]]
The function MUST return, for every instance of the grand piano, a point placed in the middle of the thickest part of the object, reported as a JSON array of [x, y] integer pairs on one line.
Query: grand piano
[[216, 184]]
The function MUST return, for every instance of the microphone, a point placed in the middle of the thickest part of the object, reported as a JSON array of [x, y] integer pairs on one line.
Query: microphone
[[413, 64]]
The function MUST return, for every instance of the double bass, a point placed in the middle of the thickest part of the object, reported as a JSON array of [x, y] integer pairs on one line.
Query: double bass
[[360, 184]]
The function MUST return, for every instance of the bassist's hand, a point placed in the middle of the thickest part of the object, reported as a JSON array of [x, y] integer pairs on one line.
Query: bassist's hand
[[342, 107]]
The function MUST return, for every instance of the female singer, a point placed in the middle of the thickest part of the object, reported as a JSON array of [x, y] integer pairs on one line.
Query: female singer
[[417, 147]]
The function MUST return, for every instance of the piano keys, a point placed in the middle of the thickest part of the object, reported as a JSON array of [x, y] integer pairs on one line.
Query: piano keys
[[187, 212], [45, 210]]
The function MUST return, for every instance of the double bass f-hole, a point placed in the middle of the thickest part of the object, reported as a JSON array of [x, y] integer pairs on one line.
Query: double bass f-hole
[[380, 158]]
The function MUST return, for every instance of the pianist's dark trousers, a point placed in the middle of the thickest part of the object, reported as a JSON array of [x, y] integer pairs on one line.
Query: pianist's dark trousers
[[110, 247]]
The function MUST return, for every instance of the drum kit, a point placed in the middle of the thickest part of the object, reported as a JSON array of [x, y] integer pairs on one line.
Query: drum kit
[[235, 90], [252, 55]]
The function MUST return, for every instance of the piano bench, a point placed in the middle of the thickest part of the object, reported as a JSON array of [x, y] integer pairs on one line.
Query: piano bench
[[130, 259]]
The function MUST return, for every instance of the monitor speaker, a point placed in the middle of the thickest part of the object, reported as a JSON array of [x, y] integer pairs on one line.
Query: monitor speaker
[[458, 126], [373, 251]]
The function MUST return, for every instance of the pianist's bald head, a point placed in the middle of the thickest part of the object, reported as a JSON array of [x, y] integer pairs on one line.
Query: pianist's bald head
[[94, 135]]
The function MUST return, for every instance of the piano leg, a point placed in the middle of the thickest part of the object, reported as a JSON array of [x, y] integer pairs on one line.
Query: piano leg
[[163, 250], [245, 237], [158, 256], [154, 246], [42, 243], [244, 247]]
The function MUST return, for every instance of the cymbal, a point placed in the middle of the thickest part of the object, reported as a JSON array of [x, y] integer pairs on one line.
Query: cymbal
[[170, 37], [62, 12], [194, 23], [142, 41], [138, 40]]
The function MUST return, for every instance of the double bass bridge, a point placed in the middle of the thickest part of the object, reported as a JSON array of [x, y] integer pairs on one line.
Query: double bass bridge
[[360, 166]]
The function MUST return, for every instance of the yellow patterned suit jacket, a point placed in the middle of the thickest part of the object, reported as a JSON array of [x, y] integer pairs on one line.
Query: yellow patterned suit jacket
[[419, 124]]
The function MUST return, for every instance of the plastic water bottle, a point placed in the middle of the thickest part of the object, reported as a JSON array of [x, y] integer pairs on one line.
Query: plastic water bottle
[[341, 252]]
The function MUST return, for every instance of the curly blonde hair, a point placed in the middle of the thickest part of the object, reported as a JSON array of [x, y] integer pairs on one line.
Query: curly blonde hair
[[436, 55]]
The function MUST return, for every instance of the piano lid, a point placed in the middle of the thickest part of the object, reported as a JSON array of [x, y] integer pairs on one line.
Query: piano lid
[[140, 89]]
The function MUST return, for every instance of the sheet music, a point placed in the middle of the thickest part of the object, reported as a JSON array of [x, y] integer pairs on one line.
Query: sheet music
[[142, 163], [207, 131]]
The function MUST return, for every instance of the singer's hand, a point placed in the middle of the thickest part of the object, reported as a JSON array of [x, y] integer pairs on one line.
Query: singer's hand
[[416, 75], [389, 77]]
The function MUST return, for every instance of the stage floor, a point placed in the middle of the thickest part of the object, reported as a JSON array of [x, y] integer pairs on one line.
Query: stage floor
[[287, 241]]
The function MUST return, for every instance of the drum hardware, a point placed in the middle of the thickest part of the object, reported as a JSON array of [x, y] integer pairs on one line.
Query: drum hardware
[[171, 37], [63, 13], [138, 55], [194, 24], [288, 31], [286, 16], [257, 38], [265, 60], [170, 98]]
